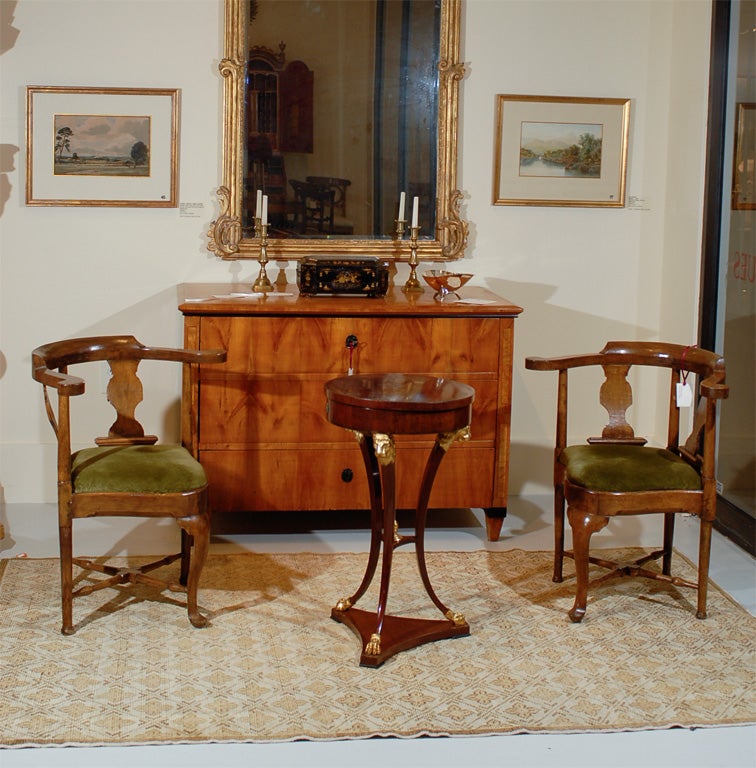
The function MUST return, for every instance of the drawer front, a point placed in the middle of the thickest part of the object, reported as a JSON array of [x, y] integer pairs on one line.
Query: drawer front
[[263, 436], [318, 344], [318, 479], [244, 411]]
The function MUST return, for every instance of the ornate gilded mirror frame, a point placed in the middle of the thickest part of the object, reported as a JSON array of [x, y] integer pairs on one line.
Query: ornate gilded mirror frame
[[225, 234]]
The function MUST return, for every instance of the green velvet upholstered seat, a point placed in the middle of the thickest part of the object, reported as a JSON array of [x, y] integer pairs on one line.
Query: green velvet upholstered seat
[[136, 469], [628, 468]]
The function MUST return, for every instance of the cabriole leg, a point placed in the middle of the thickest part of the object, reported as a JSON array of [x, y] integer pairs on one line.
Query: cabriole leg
[[584, 525], [198, 527]]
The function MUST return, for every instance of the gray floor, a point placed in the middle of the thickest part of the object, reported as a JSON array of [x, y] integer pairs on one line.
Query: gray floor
[[30, 530]]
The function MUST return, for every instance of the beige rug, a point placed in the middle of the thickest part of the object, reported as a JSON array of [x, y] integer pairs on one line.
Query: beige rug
[[274, 667]]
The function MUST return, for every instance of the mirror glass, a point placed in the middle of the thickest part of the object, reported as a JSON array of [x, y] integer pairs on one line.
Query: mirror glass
[[332, 110]]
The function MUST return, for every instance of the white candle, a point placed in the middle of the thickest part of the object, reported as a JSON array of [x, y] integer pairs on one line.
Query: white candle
[[264, 217], [401, 207], [258, 206], [415, 204]]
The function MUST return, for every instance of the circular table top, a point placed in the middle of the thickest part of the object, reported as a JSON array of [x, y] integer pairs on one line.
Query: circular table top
[[400, 392], [399, 403]]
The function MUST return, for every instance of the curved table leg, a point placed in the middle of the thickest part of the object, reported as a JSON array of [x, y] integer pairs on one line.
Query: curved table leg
[[440, 447], [376, 513], [386, 451], [383, 635]]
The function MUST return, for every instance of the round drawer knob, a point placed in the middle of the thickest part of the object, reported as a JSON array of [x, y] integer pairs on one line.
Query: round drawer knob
[[347, 475]]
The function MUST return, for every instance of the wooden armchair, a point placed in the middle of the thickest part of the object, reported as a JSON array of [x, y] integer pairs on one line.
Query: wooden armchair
[[340, 223], [618, 474], [313, 206], [125, 473]]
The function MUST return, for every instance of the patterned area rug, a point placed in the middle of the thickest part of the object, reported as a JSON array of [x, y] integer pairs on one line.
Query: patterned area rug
[[273, 666]]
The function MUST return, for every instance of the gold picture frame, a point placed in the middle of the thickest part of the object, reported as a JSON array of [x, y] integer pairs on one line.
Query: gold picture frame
[[744, 158], [561, 151], [102, 146]]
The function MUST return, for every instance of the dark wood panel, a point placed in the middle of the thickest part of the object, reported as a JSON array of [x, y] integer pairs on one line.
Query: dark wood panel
[[260, 480], [318, 344], [242, 411]]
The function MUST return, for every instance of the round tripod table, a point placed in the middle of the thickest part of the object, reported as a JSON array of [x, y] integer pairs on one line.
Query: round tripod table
[[375, 408]]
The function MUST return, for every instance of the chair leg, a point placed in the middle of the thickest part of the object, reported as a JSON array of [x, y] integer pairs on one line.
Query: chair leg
[[669, 533], [198, 527], [65, 534], [558, 532], [186, 556], [704, 554], [584, 525]]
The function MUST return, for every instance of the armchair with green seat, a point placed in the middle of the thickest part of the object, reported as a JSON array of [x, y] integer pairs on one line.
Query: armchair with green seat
[[619, 474], [125, 473]]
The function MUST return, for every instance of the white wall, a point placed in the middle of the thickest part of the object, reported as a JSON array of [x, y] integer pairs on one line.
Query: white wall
[[587, 275], [583, 275]]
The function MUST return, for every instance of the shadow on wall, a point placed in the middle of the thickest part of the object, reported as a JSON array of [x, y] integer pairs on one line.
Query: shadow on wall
[[8, 36], [7, 164], [548, 330], [8, 33], [156, 322]]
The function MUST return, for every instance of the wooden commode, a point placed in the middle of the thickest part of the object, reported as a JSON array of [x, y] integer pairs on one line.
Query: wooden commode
[[257, 423]]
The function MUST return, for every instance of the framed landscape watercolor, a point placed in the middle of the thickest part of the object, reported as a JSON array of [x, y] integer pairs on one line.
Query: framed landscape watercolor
[[560, 150], [102, 146], [744, 159]]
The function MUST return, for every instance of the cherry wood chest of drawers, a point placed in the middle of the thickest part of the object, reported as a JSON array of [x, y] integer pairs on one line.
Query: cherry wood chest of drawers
[[257, 422]]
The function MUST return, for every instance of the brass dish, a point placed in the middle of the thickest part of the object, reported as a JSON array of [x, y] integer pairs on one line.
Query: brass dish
[[445, 284]]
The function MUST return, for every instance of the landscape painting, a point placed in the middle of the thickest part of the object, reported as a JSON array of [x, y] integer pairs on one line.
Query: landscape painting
[[101, 145], [560, 149]]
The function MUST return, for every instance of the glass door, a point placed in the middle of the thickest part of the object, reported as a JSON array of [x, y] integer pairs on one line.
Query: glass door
[[729, 274]]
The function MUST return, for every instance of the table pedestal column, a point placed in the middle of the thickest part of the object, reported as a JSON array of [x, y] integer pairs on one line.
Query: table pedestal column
[[383, 635]]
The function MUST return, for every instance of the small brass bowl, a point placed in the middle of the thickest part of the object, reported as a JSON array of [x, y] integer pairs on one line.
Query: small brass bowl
[[445, 284]]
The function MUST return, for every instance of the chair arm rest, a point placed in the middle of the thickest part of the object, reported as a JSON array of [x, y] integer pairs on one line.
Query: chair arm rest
[[200, 356], [562, 363], [714, 388], [64, 383]]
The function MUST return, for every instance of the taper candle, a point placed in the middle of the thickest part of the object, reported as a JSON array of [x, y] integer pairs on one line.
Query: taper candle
[[258, 205], [400, 217], [264, 217], [415, 204]]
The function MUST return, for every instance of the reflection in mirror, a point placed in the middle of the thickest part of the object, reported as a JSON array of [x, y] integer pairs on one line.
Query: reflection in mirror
[[333, 108], [342, 99]]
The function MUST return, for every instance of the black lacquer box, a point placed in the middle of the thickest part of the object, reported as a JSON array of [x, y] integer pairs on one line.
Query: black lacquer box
[[345, 275]]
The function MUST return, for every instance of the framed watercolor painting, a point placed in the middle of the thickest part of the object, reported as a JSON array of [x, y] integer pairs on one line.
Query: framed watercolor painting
[[560, 150], [744, 159], [102, 146]]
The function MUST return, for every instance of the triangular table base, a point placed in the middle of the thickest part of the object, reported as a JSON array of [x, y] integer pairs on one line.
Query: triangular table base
[[399, 633]]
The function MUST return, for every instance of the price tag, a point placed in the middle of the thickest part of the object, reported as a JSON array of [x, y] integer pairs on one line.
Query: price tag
[[684, 394]]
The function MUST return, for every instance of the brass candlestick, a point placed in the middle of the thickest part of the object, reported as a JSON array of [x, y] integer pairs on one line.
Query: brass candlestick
[[399, 226], [413, 284], [262, 284]]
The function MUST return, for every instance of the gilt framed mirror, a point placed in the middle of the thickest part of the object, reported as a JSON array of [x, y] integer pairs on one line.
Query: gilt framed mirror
[[332, 109]]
